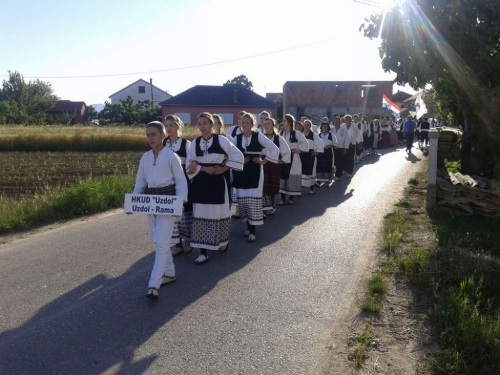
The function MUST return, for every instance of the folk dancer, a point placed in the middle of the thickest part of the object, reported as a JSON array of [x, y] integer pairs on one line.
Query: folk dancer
[[291, 174], [339, 132], [308, 159], [353, 138], [272, 172], [325, 160], [210, 155], [160, 173], [249, 182], [174, 142]]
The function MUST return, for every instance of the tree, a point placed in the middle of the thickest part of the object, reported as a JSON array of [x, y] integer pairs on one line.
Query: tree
[[90, 113], [242, 81], [26, 102], [454, 46], [130, 113]]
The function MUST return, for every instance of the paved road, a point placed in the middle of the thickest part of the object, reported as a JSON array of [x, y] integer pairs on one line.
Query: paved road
[[72, 299]]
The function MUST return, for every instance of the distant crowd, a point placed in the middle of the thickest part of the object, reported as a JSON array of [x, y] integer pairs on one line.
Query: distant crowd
[[255, 167]]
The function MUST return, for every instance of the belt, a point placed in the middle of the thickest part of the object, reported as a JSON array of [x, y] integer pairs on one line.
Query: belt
[[164, 190]]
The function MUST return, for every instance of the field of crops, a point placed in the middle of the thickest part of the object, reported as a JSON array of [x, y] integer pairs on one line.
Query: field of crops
[[26, 173]]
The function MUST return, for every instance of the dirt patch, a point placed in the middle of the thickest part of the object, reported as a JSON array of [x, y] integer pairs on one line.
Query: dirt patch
[[398, 339]]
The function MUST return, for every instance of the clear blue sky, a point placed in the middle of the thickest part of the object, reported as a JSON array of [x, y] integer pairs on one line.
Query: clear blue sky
[[56, 38]]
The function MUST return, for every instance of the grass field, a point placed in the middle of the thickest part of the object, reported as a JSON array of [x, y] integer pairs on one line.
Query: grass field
[[57, 138]]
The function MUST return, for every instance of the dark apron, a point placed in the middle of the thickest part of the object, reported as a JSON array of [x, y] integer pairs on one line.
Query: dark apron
[[249, 177], [307, 162], [208, 189]]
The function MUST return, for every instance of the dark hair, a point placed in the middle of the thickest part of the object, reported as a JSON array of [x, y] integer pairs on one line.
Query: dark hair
[[291, 120], [206, 115], [325, 124]]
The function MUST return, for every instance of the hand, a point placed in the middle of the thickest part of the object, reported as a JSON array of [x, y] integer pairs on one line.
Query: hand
[[246, 160], [345, 151], [192, 167], [280, 162], [296, 151], [314, 153], [209, 170], [260, 161], [220, 170]]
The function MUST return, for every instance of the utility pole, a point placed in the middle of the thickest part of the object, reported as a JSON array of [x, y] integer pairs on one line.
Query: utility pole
[[151, 82]]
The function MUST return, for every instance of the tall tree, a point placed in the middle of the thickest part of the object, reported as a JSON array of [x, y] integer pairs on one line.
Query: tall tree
[[26, 102], [452, 45], [241, 80]]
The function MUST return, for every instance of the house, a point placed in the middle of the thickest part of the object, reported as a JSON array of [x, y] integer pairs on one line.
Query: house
[[410, 105], [227, 101], [67, 107], [139, 91], [326, 98], [399, 99]]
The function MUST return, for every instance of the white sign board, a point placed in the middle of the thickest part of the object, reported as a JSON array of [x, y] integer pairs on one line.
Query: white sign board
[[153, 204]]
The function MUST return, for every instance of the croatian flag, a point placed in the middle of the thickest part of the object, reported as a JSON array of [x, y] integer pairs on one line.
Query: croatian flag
[[386, 103]]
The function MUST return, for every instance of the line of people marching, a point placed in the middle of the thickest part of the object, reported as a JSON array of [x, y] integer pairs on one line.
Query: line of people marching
[[255, 167]]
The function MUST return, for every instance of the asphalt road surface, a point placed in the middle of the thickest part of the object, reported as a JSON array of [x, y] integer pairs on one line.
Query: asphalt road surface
[[72, 298]]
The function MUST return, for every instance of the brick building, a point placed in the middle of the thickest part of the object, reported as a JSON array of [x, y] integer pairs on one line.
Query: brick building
[[326, 98], [227, 101], [63, 108]]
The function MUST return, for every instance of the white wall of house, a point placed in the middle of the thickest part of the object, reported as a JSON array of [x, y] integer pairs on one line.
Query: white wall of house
[[140, 90]]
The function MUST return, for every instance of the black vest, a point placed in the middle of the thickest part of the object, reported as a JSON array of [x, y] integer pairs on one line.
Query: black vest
[[254, 145], [215, 148], [182, 150]]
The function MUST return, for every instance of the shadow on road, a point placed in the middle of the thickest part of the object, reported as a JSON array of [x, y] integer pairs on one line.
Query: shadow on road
[[98, 326]]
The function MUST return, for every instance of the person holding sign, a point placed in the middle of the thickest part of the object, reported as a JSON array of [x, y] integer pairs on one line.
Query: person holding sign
[[160, 173], [209, 157]]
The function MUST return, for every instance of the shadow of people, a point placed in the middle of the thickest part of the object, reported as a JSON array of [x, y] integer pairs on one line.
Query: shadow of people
[[99, 325], [412, 158]]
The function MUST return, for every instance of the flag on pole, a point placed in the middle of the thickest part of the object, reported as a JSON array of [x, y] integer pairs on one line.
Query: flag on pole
[[420, 106], [386, 103]]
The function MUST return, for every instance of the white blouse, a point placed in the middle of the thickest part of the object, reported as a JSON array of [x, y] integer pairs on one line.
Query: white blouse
[[165, 171], [273, 151], [326, 140], [340, 134], [234, 156], [316, 143]]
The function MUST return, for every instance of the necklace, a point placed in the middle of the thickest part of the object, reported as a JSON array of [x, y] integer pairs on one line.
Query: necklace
[[205, 146], [270, 135], [247, 140]]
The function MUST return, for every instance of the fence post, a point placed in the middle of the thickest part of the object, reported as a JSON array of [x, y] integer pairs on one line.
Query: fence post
[[432, 171]]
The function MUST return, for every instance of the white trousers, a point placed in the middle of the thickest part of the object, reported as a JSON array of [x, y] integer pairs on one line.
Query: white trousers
[[161, 228]]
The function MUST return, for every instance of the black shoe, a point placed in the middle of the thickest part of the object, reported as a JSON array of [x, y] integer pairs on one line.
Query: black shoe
[[152, 294]]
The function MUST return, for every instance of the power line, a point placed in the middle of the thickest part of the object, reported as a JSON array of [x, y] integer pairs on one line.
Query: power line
[[369, 3], [184, 67]]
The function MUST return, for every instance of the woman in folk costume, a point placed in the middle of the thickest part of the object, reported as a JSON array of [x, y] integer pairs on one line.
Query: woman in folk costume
[[386, 141], [393, 135], [291, 174], [375, 130], [218, 124], [351, 142], [209, 157], [160, 173], [272, 172], [324, 168], [359, 147], [174, 142], [340, 134], [231, 133], [249, 182], [308, 159]]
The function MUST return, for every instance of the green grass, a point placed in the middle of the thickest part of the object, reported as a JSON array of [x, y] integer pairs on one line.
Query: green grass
[[460, 274], [360, 345], [86, 198], [377, 285]]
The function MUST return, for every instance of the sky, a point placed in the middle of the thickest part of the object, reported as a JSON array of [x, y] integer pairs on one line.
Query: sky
[[114, 43]]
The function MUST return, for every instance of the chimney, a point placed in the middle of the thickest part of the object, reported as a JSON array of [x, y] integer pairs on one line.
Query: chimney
[[235, 96]]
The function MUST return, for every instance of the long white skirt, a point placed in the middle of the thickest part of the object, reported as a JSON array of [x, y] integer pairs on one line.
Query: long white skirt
[[293, 186]]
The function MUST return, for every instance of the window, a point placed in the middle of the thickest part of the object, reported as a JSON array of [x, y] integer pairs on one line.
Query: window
[[185, 117], [142, 89], [227, 118]]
